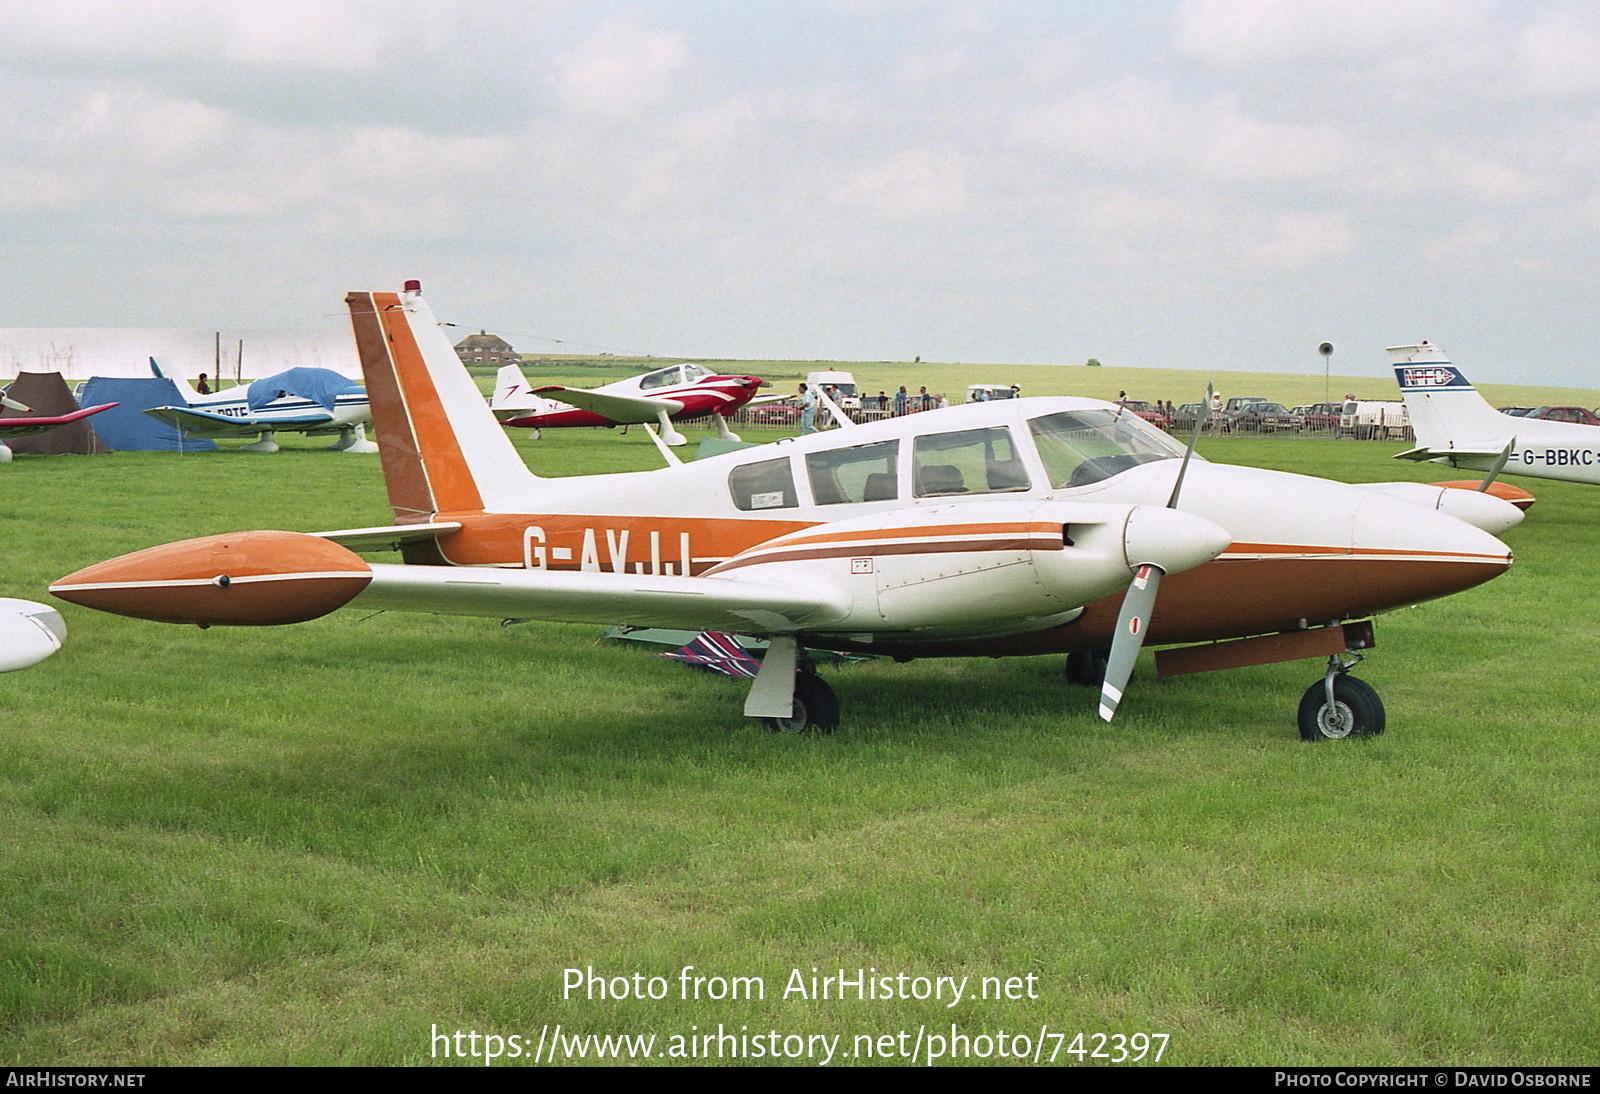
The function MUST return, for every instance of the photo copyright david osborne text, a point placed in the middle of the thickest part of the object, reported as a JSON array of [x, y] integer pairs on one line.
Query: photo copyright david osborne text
[[923, 1043]]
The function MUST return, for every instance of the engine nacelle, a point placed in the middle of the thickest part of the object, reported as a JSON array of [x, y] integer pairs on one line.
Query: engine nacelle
[[29, 633], [997, 566]]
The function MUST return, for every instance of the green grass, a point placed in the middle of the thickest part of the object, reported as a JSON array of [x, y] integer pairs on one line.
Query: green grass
[[310, 845]]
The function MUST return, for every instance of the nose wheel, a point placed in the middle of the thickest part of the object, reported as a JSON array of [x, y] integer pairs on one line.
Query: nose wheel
[[1339, 706]]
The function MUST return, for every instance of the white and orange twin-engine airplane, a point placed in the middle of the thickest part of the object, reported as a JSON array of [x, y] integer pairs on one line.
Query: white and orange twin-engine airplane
[[675, 393], [1025, 526]]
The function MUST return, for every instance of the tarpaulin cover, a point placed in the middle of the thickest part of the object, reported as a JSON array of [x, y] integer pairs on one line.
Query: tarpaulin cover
[[47, 395], [320, 385], [720, 653], [126, 427]]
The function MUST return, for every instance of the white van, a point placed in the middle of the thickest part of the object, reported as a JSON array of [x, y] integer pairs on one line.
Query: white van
[[843, 384], [1369, 419], [984, 393]]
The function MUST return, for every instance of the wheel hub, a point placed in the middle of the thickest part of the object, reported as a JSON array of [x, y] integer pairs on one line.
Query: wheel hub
[[1335, 720]]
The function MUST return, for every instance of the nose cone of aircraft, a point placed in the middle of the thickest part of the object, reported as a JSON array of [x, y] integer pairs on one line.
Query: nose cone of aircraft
[[1170, 539], [29, 633], [1491, 514], [240, 579]]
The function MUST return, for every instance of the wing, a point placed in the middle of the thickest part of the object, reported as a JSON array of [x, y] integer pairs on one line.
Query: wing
[[203, 423], [640, 600], [268, 577], [19, 427], [622, 409]]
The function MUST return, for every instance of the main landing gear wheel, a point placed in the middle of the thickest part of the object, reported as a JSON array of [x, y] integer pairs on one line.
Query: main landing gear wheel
[[1356, 710], [816, 708], [1087, 668]]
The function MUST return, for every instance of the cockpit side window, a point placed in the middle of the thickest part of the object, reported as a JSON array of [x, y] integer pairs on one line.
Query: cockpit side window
[[691, 373], [1079, 447], [765, 485], [968, 461], [664, 377], [863, 473]]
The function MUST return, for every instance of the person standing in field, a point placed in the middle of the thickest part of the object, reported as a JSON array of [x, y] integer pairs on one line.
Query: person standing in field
[[900, 401], [808, 410]]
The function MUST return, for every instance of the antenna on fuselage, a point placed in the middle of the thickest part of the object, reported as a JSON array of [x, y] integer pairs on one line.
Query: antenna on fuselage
[[839, 416]]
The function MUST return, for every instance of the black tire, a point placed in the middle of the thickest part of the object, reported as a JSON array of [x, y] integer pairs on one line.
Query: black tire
[[816, 708], [1087, 668], [1358, 711]]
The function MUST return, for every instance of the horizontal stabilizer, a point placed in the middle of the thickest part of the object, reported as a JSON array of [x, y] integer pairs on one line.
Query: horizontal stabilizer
[[622, 409], [206, 424], [1429, 453]]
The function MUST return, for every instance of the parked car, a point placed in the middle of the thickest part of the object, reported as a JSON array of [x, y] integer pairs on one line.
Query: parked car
[[780, 412], [1149, 412], [1574, 414], [1268, 418], [1185, 416], [1253, 414], [1514, 411], [1319, 417]]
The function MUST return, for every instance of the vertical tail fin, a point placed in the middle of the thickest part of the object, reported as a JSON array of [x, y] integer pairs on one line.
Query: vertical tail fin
[[1446, 411], [512, 391], [441, 449]]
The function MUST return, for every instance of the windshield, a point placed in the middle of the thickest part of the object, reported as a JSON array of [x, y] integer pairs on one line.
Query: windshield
[[1079, 447]]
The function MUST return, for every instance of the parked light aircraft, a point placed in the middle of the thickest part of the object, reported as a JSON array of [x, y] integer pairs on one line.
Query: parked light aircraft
[[1027, 526], [1456, 426], [37, 423], [677, 392], [314, 401]]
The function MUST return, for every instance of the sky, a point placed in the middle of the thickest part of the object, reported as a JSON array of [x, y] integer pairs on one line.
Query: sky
[[1198, 184]]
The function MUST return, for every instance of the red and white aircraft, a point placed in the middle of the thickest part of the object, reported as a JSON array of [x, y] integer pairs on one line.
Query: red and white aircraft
[[25, 423], [1028, 526], [681, 392]]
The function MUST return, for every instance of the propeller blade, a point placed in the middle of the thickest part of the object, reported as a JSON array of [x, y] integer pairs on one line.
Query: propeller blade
[[1132, 622], [1498, 466]]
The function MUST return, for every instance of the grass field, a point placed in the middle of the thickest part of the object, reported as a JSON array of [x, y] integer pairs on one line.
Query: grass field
[[318, 844]]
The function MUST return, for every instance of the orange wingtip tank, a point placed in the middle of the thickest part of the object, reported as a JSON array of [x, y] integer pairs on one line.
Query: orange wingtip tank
[[251, 579], [1516, 495]]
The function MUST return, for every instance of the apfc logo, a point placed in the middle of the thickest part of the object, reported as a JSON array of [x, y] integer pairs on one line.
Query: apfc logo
[[1434, 376]]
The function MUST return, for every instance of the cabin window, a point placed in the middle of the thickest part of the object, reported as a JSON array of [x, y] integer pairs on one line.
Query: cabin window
[[968, 461], [863, 473], [765, 485], [1080, 447], [665, 377]]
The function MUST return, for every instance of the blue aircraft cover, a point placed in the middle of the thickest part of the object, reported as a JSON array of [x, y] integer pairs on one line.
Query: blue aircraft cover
[[126, 427], [321, 385]]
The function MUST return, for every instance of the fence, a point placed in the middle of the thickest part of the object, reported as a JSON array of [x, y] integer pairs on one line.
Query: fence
[[1386, 424]]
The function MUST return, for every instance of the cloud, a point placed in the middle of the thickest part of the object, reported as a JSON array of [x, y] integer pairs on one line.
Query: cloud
[[1301, 239], [623, 67], [1248, 33], [1137, 124], [921, 182]]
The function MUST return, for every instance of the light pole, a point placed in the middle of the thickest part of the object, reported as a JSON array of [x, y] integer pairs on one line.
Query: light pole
[[1326, 349]]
